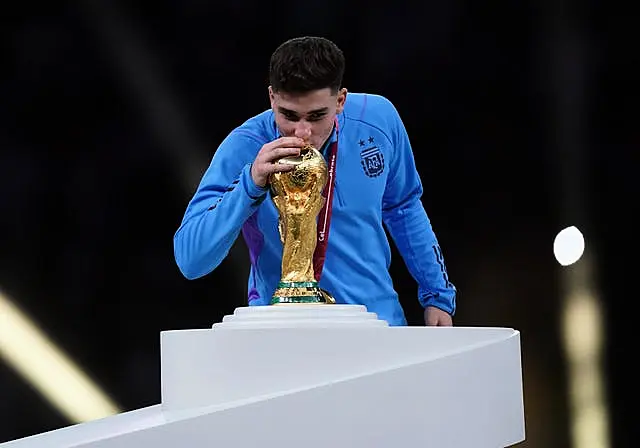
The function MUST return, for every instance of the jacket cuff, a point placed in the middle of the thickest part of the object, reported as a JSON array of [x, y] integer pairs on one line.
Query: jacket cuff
[[254, 191], [443, 303]]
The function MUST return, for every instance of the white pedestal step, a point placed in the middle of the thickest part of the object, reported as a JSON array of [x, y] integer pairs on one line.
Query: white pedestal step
[[300, 315]]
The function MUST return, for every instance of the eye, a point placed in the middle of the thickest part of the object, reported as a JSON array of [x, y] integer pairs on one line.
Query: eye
[[290, 116], [316, 117]]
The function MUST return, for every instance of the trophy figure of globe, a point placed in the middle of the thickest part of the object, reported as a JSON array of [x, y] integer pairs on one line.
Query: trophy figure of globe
[[297, 194]]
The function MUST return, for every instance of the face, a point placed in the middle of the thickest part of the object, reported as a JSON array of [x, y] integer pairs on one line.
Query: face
[[309, 116]]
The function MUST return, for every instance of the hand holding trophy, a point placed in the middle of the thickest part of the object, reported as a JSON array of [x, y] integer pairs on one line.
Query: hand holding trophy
[[297, 194]]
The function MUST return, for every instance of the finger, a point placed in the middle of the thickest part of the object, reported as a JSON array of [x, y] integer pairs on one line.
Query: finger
[[441, 320], [431, 317], [279, 168], [279, 153], [446, 321], [432, 320], [287, 141]]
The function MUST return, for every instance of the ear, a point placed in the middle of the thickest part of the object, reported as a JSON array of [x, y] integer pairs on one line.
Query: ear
[[341, 99], [271, 97]]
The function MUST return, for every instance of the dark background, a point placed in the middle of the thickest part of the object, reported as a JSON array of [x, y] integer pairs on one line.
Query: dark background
[[110, 112]]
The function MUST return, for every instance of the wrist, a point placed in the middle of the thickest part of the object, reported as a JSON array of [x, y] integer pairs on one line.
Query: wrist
[[256, 179], [254, 190]]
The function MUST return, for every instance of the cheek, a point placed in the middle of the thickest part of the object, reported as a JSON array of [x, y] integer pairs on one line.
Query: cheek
[[285, 126], [324, 128]]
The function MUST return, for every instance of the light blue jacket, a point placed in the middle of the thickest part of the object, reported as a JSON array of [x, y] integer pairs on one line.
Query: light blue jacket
[[376, 185]]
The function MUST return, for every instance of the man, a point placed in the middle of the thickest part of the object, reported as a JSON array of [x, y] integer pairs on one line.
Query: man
[[375, 184]]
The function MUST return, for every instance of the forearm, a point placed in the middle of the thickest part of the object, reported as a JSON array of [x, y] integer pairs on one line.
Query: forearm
[[413, 234], [212, 225]]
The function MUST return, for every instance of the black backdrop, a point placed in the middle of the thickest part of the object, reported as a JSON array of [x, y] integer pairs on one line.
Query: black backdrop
[[111, 111]]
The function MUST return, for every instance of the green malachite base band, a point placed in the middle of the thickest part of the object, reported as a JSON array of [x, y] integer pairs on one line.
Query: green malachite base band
[[300, 299], [298, 292]]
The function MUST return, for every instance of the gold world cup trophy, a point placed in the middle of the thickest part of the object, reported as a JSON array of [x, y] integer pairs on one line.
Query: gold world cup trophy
[[297, 194]]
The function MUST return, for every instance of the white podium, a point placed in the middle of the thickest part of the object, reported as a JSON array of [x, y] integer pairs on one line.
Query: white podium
[[321, 376]]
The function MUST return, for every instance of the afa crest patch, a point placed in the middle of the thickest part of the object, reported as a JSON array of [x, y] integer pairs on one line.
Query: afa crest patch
[[372, 161]]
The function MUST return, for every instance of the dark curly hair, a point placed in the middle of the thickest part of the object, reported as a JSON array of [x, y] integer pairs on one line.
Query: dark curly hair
[[304, 64]]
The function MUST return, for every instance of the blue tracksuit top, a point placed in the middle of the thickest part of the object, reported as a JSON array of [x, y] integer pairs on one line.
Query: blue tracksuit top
[[376, 185]]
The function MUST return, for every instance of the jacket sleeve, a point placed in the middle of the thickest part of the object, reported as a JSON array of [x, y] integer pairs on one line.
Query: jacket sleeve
[[409, 225], [225, 198]]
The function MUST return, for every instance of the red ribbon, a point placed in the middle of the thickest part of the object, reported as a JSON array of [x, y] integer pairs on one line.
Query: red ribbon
[[324, 218]]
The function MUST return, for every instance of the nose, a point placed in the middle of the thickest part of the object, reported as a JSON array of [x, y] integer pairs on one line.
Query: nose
[[303, 130]]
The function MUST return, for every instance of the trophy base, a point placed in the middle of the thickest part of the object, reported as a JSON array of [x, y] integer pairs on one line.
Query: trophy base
[[300, 292]]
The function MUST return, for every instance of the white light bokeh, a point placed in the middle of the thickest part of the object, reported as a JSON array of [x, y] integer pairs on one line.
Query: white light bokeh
[[568, 246]]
